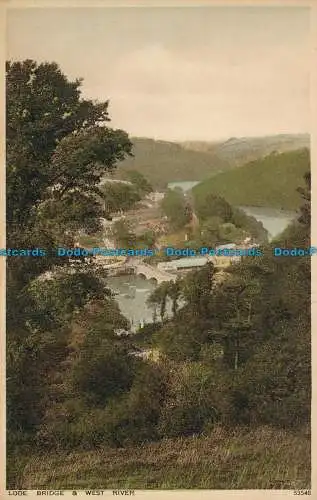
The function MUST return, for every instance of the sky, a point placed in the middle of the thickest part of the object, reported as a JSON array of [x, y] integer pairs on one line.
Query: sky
[[179, 73]]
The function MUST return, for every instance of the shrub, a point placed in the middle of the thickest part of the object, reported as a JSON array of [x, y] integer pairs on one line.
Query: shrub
[[104, 373], [135, 420], [191, 402]]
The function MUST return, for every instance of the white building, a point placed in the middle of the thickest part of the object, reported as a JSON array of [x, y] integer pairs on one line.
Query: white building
[[184, 264], [229, 246], [155, 196]]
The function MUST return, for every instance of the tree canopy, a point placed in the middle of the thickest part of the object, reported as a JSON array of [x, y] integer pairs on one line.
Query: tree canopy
[[58, 148], [176, 208]]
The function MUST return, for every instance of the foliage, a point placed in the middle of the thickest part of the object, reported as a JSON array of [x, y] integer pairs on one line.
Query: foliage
[[220, 223], [267, 182], [147, 239], [162, 162], [305, 192], [139, 181], [190, 403], [58, 148], [212, 205], [249, 225], [103, 372], [118, 196], [135, 420], [123, 234], [176, 208]]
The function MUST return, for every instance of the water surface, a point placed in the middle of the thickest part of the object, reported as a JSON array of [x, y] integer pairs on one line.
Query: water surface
[[273, 219], [184, 185]]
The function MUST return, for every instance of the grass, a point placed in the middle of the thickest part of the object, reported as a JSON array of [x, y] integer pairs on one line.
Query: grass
[[264, 458]]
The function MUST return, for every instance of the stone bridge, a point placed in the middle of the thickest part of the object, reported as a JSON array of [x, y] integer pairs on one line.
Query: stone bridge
[[150, 272]]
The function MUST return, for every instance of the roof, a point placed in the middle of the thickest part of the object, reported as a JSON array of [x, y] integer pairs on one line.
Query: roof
[[190, 262], [228, 245], [114, 181]]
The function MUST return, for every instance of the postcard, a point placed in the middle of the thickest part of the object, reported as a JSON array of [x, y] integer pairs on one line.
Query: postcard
[[158, 253]]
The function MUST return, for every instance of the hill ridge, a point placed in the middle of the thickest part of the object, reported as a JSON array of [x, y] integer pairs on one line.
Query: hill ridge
[[271, 181]]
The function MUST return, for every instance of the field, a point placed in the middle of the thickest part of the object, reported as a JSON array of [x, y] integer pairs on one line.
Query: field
[[259, 459]]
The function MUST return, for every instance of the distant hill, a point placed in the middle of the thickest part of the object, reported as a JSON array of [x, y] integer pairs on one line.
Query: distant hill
[[267, 182], [238, 151], [162, 162]]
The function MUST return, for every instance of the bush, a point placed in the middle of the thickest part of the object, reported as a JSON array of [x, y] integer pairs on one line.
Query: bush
[[135, 420], [88, 430], [128, 419], [273, 387], [178, 342], [103, 373], [191, 403]]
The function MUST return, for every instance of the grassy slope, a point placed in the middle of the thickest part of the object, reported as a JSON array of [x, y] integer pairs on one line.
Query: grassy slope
[[257, 459], [271, 181], [162, 162]]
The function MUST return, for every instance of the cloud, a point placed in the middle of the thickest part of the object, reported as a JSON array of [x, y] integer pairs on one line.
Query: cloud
[[183, 73], [182, 95]]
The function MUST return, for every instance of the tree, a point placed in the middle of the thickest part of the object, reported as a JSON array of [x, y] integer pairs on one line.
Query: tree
[[119, 196], [211, 205], [197, 289], [123, 234], [58, 148], [43, 107], [147, 239], [190, 403], [305, 209], [176, 208], [159, 298], [136, 418], [139, 181], [103, 371], [210, 230], [175, 294], [249, 225], [228, 233], [37, 342]]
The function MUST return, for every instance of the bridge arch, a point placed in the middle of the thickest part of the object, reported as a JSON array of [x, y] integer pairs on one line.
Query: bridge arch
[[142, 275], [153, 280]]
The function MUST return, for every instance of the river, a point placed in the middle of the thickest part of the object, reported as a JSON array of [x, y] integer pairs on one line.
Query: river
[[184, 185], [273, 219], [133, 291]]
